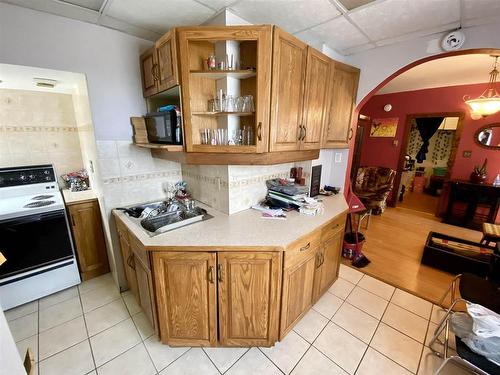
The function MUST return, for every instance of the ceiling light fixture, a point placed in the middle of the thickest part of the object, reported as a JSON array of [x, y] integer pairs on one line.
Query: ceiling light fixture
[[488, 102], [45, 82]]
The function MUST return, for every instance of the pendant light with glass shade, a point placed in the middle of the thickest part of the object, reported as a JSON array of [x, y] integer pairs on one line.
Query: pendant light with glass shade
[[488, 102]]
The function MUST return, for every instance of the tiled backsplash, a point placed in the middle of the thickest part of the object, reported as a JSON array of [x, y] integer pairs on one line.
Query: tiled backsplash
[[38, 128]]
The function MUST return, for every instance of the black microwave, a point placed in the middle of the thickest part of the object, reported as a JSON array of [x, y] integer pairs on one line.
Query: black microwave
[[164, 127]]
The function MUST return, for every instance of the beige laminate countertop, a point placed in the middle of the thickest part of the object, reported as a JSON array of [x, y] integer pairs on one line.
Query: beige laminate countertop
[[78, 196], [245, 229]]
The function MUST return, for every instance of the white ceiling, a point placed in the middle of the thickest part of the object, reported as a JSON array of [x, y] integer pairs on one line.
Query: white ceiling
[[374, 23], [448, 71]]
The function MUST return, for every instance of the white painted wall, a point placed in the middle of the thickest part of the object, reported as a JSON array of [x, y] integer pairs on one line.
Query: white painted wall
[[10, 360], [379, 63]]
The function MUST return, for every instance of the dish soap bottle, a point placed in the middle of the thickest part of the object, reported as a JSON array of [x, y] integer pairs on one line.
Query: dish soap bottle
[[497, 180]]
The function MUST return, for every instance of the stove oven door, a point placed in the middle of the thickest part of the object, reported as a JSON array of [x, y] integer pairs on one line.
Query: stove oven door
[[34, 244]]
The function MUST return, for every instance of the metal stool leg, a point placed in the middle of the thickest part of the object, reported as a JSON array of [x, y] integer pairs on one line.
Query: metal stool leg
[[452, 290], [460, 362], [444, 324]]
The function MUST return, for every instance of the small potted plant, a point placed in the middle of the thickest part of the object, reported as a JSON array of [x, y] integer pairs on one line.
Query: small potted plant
[[479, 174]]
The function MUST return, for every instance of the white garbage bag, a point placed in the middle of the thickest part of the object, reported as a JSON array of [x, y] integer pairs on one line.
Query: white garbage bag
[[479, 329]]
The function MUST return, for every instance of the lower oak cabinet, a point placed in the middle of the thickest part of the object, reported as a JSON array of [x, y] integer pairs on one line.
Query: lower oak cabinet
[[229, 297], [88, 235]]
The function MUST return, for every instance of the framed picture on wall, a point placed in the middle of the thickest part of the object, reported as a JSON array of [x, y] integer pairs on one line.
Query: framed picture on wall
[[384, 127]]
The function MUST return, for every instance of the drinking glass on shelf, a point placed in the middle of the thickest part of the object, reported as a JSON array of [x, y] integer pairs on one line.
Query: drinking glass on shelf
[[239, 103], [248, 105], [230, 103], [205, 136]]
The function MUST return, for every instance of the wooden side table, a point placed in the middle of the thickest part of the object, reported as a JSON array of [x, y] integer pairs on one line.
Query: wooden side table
[[491, 233]]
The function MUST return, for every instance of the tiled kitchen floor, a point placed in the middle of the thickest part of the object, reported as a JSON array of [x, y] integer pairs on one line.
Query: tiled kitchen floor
[[360, 326]]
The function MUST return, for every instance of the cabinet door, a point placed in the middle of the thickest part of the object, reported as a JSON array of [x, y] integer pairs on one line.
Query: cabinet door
[[167, 61], [187, 297], [327, 264], [89, 239], [315, 98], [128, 261], [149, 72], [248, 298], [297, 293], [343, 88], [145, 291], [287, 91]]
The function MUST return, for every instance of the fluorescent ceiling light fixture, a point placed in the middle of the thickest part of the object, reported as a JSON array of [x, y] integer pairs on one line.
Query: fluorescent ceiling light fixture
[[45, 82]]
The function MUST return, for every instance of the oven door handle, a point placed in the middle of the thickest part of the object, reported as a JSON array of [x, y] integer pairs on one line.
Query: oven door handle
[[33, 218]]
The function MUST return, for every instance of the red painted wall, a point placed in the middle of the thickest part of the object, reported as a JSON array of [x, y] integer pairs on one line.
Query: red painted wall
[[382, 151]]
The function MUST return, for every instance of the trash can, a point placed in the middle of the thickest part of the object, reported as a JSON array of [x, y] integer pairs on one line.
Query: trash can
[[351, 247]]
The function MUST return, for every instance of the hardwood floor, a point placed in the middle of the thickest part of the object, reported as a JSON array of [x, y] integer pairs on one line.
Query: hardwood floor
[[394, 245], [419, 202]]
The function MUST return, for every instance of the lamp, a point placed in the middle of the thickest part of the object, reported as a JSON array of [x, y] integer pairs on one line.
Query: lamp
[[488, 102]]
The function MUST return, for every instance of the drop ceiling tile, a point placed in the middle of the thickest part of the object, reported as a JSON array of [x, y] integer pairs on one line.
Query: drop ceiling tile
[[392, 18], [480, 12], [89, 4], [159, 15], [218, 4], [58, 8], [338, 34], [291, 15]]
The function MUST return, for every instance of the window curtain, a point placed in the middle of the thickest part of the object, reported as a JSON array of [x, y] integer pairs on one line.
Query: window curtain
[[427, 127]]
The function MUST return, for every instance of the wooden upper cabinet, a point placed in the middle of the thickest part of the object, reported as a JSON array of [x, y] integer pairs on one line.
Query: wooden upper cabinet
[[249, 285], [167, 75], [315, 98], [343, 89], [86, 225], [250, 47], [186, 295], [287, 91], [149, 69]]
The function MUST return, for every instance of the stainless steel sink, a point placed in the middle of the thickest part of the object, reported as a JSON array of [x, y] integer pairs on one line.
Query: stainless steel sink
[[168, 221]]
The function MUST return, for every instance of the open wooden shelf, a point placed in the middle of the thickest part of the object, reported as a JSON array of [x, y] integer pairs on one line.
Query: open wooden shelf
[[215, 114], [154, 146], [218, 74]]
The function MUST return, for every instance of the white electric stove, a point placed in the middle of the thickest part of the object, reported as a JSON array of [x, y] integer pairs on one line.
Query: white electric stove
[[34, 236]]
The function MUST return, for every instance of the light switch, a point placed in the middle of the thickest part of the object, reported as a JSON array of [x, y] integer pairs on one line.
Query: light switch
[[338, 157]]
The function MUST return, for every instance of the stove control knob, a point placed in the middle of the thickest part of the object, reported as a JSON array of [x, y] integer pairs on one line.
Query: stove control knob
[[22, 177], [31, 176], [46, 172], [47, 178]]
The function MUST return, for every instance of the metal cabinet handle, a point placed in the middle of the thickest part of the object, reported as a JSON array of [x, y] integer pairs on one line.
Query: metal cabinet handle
[[304, 248], [318, 260], [259, 131], [72, 220], [300, 132], [322, 259], [219, 273], [211, 274], [305, 132], [131, 262]]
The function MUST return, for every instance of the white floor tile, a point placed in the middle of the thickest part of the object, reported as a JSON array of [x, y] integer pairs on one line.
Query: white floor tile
[[76, 360], [99, 297], [398, 347], [254, 362], [24, 327], [377, 287], [58, 297], [287, 353], [20, 311], [143, 325], [356, 322], [437, 314], [310, 326], [30, 342], [430, 363], [60, 313], [99, 282], [62, 337], [194, 362], [407, 322], [132, 305], [368, 302], [350, 274], [341, 288], [315, 363], [374, 360], [134, 361], [162, 355], [114, 341], [430, 334], [412, 303], [341, 347], [224, 358], [106, 316], [328, 305]]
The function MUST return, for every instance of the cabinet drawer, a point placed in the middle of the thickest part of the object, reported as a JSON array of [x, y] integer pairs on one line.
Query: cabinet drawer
[[139, 251], [302, 248], [333, 227]]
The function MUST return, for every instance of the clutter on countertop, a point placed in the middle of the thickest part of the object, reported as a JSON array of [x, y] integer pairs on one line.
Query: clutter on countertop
[[77, 181], [285, 194], [269, 213]]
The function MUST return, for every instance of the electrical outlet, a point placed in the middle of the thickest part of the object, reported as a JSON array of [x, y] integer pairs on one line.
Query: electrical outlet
[[338, 157], [467, 154]]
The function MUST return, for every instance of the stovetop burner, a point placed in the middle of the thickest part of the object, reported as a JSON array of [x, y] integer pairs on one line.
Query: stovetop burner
[[38, 204], [41, 197]]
